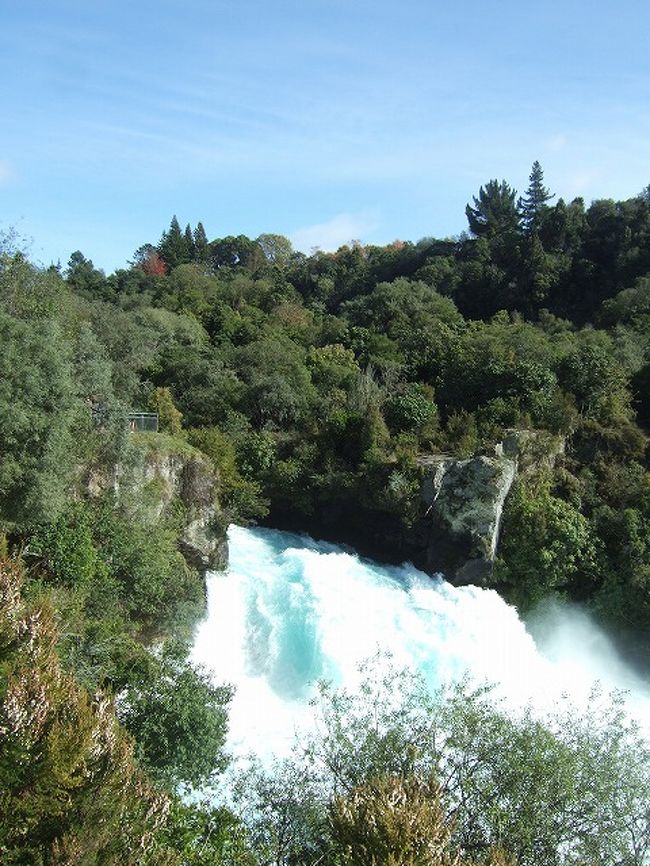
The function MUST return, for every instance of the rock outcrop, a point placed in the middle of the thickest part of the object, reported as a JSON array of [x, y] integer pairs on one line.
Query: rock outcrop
[[464, 500], [163, 476]]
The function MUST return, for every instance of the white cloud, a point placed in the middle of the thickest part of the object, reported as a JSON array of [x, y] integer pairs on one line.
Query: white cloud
[[339, 230]]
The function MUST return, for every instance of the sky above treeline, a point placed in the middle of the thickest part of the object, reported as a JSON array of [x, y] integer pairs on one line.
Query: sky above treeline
[[323, 120]]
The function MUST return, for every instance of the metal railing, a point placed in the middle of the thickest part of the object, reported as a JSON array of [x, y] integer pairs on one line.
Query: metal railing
[[143, 421]]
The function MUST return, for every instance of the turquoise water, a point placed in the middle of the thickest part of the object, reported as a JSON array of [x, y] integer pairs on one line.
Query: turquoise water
[[290, 611]]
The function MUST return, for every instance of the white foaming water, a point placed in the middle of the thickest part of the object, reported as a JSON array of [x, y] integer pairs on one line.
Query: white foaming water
[[291, 611]]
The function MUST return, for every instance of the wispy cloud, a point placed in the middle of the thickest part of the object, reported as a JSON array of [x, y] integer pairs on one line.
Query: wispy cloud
[[335, 232], [556, 143], [6, 173]]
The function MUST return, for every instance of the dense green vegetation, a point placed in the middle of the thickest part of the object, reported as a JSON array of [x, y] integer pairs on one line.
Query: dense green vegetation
[[312, 384]]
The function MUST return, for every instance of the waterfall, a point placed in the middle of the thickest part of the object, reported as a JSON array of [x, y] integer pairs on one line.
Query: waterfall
[[290, 611]]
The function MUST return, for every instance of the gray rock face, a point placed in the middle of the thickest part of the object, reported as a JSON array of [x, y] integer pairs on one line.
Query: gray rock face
[[464, 500], [162, 480], [204, 541]]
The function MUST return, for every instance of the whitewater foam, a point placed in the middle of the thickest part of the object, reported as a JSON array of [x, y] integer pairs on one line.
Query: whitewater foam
[[290, 611]]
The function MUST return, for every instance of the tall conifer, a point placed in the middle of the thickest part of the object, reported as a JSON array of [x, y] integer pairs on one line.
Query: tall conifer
[[200, 243], [494, 212], [173, 246], [533, 203], [188, 241]]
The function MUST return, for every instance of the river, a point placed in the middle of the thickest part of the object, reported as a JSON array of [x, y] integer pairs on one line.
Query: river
[[290, 611]]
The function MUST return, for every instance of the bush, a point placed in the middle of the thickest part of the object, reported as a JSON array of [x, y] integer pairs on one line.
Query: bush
[[545, 545], [178, 719], [567, 789]]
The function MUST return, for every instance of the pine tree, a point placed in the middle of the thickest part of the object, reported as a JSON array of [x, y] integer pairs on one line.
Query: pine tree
[[189, 244], [173, 246], [201, 253], [532, 204], [494, 211]]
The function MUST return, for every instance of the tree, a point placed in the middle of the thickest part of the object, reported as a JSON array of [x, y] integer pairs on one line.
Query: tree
[[70, 791], [84, 278], [236, 251], [201, 253], [27, 292], [188, 237], [170, 419], [544, 547], [532, 205], [38, 413], [149, 260], [276, 248], [563, 789], [178, 719], [396, 774], [279, 383], [494, 211], [173, 246], [396, 821]]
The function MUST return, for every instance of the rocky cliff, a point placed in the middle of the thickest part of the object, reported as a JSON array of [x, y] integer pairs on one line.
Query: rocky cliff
[[463, 502], [168, 475]]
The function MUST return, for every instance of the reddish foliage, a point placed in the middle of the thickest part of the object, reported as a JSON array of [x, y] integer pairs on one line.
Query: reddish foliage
[[153, 265]]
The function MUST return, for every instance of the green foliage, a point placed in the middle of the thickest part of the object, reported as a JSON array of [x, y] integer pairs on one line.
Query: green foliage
[[69, 789], [201, 252], [565, 789], [623, 567], [236, 252], [67, 549], [204, 835], [532, 205], [332, 366], [85, 279], [170, 420], [256, 453], [27, 292], [494, 211], [598, 382], [309, 382], [178, 719], [173, 246], [282, 807], [276, 248], [410, 408], [461, 434], [545, 545], [240, 495], [278, 382], [38, 412], [155, 584], [393, 821]]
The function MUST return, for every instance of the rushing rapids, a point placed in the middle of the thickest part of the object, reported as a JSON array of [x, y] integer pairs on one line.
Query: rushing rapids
[[291, 611]]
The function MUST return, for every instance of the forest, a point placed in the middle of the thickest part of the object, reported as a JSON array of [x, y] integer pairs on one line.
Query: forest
[[311, 384]]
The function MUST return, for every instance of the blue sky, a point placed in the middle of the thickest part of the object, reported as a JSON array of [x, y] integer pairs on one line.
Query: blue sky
[[322, 120]]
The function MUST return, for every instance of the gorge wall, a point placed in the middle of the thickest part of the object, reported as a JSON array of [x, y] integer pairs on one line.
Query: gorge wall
[[455, 510], [464, 501], [166, 477]]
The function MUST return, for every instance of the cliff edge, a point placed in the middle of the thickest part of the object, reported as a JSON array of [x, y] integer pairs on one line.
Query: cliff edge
[[463, 502], [169, 476]]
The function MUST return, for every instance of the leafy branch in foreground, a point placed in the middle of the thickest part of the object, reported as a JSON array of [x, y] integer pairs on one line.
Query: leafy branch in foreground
[[567, 789]]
